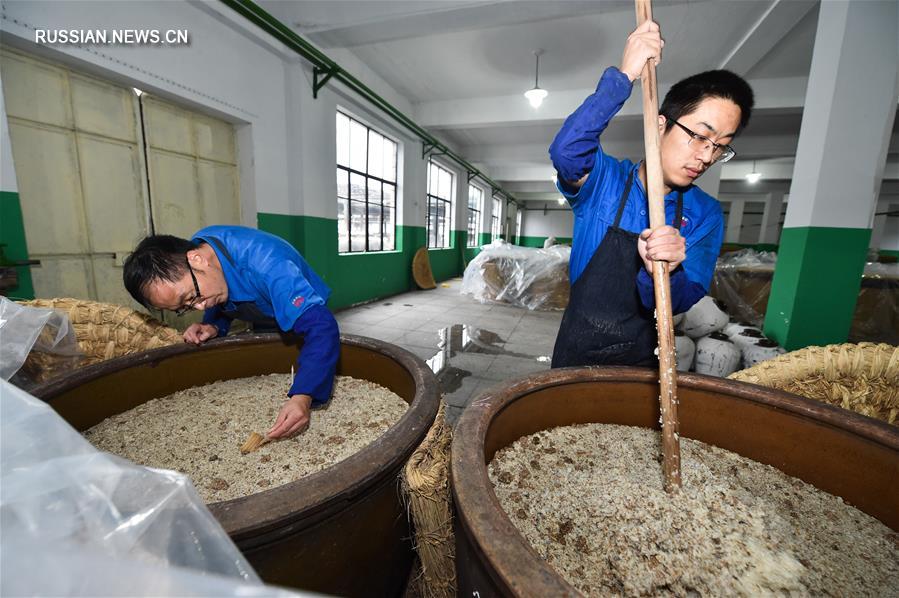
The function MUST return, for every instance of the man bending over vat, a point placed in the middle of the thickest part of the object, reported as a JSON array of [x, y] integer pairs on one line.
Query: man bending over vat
[[238, 272]]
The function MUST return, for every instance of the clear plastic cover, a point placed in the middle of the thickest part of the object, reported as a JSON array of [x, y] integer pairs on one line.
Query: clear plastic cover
[[743, 282], [78, 522], [536, 279], [24, 329]]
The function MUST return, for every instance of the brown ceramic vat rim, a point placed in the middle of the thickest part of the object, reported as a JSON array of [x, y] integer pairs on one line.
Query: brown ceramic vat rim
[[318, 495], [479, 509]]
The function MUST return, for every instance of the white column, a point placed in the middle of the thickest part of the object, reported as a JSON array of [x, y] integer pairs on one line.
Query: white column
[[848, 116], [734, 221], [769, 232], [847, 121]]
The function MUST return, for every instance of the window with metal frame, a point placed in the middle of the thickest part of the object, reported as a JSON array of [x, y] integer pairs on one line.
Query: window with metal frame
[[475, 207], [366, 188], [440, 206], [496, 218], [518, 234]]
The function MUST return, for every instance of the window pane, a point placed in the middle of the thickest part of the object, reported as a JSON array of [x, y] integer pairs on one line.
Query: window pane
[[343, 183], [343, 233], [446, 184], [435, 185], [357, 187], [389, 153], [432, 222], [357, 226], [389, 224], [441, 224], [374, 227], [432, 179], [389, 195], [343, 140], [358, 145], [375, 154]]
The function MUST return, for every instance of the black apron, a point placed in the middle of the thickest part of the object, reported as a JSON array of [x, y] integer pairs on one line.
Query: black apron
[[245, 310], [605, 323]]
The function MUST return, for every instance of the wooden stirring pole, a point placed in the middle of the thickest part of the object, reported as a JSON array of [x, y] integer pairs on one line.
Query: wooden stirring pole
[[656, 194]]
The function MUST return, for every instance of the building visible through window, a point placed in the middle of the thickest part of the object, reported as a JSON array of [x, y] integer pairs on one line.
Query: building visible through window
[[475, 206], [366, 188], [440, 193]]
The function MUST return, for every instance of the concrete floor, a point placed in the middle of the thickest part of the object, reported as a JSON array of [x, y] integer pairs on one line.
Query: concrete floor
[[471, 346]]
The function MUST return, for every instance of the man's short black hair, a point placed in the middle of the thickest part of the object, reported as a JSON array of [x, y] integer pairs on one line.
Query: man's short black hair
[[158, 257], [686, 95]]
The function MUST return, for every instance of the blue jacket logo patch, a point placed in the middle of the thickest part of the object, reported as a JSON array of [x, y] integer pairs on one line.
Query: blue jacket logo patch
[[298, 300]]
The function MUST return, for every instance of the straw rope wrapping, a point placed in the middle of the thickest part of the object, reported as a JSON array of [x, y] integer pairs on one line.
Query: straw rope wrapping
[[863, 378], [106, 330], [427, 492]]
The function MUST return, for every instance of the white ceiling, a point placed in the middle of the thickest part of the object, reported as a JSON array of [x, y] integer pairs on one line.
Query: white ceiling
[[464, 64]]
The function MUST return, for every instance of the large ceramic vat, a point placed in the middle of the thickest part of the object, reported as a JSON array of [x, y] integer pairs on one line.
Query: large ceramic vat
[[845, 454], [341, 531]]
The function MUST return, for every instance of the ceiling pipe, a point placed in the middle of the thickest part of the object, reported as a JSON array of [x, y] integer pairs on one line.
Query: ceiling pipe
[[325, 69]]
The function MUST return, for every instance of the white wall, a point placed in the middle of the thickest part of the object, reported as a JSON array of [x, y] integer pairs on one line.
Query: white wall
[[223, 72], [232, 70], [558, 221]]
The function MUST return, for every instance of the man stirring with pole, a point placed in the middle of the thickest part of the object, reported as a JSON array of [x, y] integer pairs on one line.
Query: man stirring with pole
[[609, 318]]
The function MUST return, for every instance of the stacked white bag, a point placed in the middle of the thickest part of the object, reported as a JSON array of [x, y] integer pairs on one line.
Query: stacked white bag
[[685, 351], [716, 355], [711, 344]]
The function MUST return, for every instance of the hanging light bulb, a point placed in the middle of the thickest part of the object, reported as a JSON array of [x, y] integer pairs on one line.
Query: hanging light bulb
[[535, 96], [754, 176]]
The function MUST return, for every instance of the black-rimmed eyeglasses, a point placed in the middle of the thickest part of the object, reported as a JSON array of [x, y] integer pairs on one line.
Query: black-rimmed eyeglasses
[[196, 298], [720, 152]]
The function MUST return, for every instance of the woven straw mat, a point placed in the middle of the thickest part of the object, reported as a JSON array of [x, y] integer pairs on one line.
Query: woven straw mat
[[863, 378], [427, 492], [421, 269], [105, 330]]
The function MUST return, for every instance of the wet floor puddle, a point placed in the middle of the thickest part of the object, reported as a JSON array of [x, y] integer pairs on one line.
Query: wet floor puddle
[[464, 339]]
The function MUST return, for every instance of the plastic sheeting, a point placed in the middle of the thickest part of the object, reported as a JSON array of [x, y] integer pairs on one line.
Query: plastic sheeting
[[536, 279], [78, 522], [743, 282], [24, 329]]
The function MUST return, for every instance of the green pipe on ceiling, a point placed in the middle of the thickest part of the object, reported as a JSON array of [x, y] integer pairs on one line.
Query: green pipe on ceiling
[[259, 17]]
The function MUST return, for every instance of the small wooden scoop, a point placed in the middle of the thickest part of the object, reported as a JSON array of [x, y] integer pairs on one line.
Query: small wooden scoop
[[254, 441]]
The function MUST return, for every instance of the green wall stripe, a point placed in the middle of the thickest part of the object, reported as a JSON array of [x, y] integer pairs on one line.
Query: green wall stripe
[[815, 286], [472, 252], [12, 234], [367, 276]]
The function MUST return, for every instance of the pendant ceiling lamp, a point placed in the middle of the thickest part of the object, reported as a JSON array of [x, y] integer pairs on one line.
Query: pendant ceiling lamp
[[754, 176], [535, 96]]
